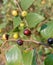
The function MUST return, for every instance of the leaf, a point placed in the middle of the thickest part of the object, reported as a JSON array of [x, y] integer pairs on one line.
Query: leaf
[[33, 19], [47, 30], [51, 1], [29, 57], [16, 22], [49, 60], [36, 37], [5, 2], [34, 58], [3, 25], [25, 4], [13, 56]]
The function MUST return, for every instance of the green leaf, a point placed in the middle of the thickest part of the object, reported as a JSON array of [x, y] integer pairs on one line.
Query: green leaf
[[33, 19], [47, 30], [34, 58], [47, 51], [13, 56], [36, 37], [25, 4], [29, 57], [51, 1], [5, 2], [16, 22], [49, 60], [3, 25]]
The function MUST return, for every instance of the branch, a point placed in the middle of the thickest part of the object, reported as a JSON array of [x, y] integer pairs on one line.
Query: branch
[[20, 9], [34, 41]]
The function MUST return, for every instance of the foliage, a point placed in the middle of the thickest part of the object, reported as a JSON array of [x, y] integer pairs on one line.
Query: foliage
[[39, 20]]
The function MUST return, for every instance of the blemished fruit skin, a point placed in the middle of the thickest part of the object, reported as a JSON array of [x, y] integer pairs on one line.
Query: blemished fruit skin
[[20, 42], [15, 35], [27, 32], [50, 41], [24, 13], [14, 13], [5, 37]]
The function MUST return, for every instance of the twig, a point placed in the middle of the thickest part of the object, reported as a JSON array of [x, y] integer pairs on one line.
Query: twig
[[34, 41], [4, 43], [17, 3]]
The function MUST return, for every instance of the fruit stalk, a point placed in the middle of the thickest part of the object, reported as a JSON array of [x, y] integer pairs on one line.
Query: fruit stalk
[[34, 41], [17, 3]]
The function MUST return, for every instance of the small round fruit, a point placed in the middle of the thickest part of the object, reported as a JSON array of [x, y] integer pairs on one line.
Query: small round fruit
[[15, 35], [20, 42], [0, 30], [25, 51], [27, 32], [5, 36], [14, 13], [24, 13], [22, 24], [43, 2], [50, 41]]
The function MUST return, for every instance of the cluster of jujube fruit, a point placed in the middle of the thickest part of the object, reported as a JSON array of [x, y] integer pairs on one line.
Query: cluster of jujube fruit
[[26, 32]]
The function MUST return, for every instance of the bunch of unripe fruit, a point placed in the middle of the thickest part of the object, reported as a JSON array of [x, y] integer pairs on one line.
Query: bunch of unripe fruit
[[16, 35], [26, 32], [16, 13]]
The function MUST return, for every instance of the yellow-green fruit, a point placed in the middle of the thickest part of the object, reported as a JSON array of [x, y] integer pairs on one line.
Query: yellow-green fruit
[[3, 37], [26, 51], [43, 2], [24, 13], [14, 13], [22, 24], [0, 30], [16, 35]]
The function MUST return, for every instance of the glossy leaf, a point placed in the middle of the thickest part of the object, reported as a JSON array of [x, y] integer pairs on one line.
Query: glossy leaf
[[33, 19], [34, 58], [16, 22], [13, 56], [3, 25], [29, 57], [25, 4], [49, 60], [47, 30]]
